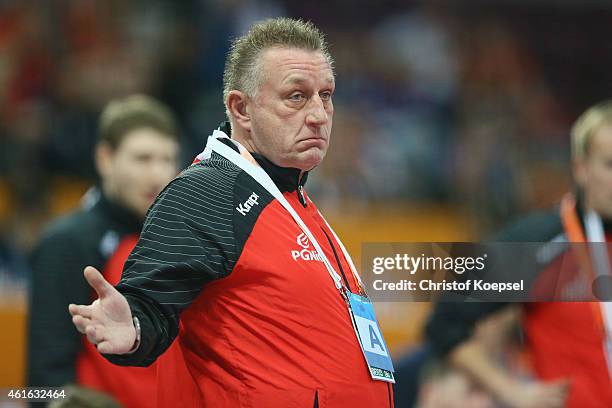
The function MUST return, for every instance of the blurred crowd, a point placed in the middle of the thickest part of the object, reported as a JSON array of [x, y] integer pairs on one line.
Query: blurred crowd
[[436, 102]]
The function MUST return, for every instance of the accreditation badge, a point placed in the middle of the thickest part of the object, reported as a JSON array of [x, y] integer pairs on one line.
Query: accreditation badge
[[370, 338]]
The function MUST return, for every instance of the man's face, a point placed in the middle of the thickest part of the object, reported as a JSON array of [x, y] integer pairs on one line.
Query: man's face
[[138, 169], [594, 172], [291, 114]]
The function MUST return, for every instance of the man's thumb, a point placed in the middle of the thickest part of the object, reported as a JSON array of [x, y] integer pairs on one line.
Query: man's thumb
[[97, 282]]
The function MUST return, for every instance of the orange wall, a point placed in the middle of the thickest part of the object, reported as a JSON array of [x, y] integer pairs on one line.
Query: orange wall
[[12, 340]]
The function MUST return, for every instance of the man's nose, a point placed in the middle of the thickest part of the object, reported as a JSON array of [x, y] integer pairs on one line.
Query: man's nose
[[317, 115]]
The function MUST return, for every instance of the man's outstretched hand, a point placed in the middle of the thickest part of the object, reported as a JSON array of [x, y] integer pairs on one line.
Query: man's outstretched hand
[[107, 322]]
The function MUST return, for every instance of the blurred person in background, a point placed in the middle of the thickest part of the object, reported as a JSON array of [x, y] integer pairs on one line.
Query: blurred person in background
[[425, 380], [136, 156], [443, 386], [569, 343]]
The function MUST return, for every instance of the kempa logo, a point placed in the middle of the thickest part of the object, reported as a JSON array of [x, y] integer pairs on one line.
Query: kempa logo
[[245, 207], [305, 254]]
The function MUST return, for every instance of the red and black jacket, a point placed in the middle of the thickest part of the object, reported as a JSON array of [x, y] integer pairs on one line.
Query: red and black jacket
[[261, 322]]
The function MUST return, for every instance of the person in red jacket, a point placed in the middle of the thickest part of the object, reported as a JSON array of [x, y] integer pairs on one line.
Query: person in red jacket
[[236, 263], [569, 344], [136, 157]]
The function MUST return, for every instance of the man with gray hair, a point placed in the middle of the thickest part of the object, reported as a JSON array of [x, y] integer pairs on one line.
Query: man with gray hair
[[236, 263]]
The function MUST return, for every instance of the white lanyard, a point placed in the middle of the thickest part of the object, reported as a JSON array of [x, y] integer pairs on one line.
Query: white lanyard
[[601, 263], [595, 233], [346, 254], [215, 145]]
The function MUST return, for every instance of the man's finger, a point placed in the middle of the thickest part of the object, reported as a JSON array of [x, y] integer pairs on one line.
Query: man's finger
[[97, 282], [90, 332], [72, 308], [105, 347], [94, 334], [80, 310], [81, 323]]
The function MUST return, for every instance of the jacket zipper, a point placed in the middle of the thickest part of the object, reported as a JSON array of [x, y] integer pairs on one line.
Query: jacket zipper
[[301, 198], [300, 190]]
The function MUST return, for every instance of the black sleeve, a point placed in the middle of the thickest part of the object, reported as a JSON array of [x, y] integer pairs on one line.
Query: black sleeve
[[451, 323], [187, 240], [536, 227], [57, 280]]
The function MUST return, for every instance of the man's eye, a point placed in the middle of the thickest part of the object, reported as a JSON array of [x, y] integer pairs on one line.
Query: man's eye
[[326, 96], [297, 97]]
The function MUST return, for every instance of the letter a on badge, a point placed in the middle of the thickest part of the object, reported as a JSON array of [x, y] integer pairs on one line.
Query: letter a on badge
[[374, 340]]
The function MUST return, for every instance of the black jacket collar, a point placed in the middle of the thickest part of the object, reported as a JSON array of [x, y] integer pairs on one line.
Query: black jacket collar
[[285, 178], [122, 218]]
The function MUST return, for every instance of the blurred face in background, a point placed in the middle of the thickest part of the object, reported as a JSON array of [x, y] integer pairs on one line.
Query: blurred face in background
[[136, 171], [593, 172]]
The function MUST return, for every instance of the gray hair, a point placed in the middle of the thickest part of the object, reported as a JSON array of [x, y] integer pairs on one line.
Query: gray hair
[[242, 70]]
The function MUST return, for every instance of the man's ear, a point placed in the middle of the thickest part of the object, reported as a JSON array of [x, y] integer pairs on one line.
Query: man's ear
[[104, 159], [237, 106], [580, 171]]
